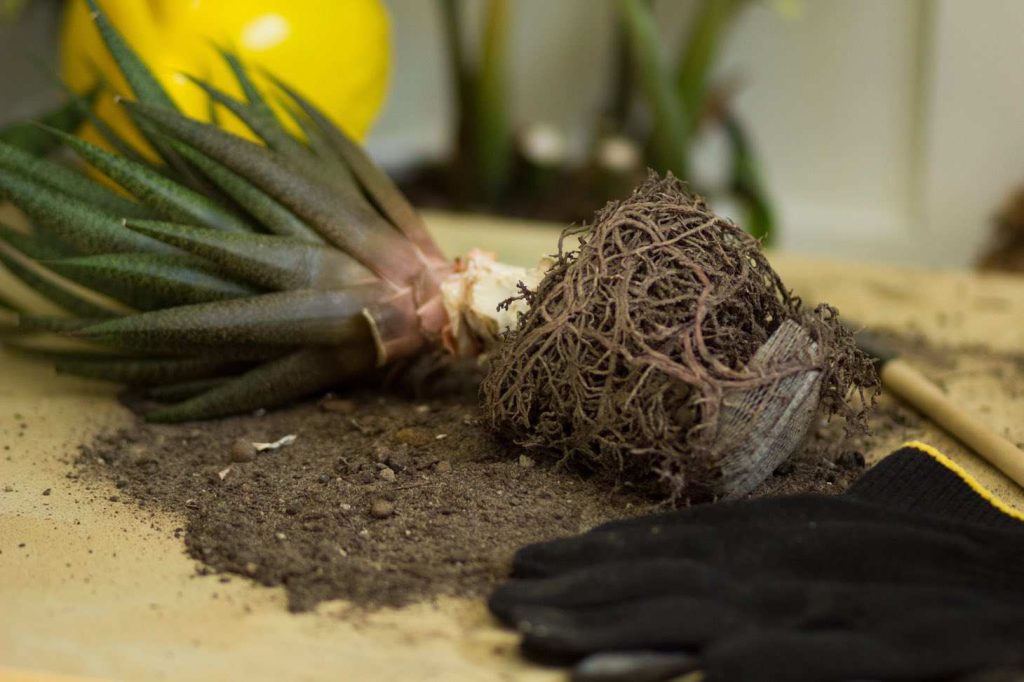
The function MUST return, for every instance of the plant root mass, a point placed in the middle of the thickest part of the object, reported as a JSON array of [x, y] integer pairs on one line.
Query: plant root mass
[[636, 345]]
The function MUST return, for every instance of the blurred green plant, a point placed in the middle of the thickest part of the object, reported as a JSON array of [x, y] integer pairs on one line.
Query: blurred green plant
[[682, 100], [33, 136], [491, 163], [11, 9], [484, 144]]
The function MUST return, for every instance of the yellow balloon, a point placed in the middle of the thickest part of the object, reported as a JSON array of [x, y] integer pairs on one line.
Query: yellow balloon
[[335, 52]]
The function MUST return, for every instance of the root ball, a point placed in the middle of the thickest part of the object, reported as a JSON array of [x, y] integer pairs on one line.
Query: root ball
[[636, 343]]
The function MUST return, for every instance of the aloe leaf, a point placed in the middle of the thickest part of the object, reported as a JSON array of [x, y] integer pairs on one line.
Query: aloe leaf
[[270, 213], [148, 371], [267, 128], [144, 85], [168, 198], [54, 323], [149, 281], [252, 93], [283, 319], [78, 224], [351, 225], [245, 82], [378, 186], [7, 304], [64, 180], [320, 148], [213, 112], [67, 117], [184, 390], [295, 376], [9, 323], [269, 261], [261, 122], [116, 141], [51, 287], [31, 245], [315, 139]]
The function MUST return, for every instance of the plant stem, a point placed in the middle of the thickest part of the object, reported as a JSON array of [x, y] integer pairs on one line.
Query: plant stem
[[617, 105], [492, 142], [747, 183], [700, 50], [460, 76], [483, 155], [670, 135]]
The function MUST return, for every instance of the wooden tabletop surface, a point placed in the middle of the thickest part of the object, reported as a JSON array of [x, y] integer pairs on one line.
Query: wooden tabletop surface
[[89, 588]]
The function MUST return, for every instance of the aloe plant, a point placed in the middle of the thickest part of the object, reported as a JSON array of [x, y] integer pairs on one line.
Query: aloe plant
[[227, 275]]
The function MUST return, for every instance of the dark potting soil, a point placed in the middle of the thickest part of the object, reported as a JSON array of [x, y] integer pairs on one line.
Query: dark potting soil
[[383, 500]]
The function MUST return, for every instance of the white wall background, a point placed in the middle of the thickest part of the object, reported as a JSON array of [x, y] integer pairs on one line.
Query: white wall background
[[887, 129]]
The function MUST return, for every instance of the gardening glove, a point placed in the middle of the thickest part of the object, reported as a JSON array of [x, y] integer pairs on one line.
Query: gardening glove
[[916, 572]]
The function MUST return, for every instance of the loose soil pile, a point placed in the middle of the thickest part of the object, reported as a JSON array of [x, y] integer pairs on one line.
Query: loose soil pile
[[380, 500], [384, 500]]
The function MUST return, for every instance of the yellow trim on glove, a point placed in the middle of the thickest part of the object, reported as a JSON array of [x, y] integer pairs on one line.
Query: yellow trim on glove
[[971, 482]]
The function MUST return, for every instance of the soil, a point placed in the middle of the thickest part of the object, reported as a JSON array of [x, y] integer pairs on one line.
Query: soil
[[384, 500]]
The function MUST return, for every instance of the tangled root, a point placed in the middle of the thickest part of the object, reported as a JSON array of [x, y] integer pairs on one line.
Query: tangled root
[[630, 343]]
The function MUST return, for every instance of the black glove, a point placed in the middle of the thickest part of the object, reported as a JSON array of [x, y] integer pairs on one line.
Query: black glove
[[914, 573]]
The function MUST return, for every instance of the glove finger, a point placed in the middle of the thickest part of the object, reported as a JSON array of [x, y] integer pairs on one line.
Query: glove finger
[[677, 624], [649, 542], [768, 656], [609, 583], [633, 666], [783, 510], [1008, 673], [926, 644], [757, 528], [823, 550]]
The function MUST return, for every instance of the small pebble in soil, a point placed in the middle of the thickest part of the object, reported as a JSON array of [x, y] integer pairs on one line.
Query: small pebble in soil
[[525, 461], [387, 474], [414, 436], [381, 509], [243, 451], [47, 491]]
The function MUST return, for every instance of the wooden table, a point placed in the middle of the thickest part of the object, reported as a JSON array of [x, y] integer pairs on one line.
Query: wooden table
[[90, 589]]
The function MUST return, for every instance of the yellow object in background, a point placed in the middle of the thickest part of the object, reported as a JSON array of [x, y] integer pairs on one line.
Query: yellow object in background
[[334, 52]]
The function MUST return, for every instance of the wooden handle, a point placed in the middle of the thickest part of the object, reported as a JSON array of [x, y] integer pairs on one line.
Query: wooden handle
[[910, 385]]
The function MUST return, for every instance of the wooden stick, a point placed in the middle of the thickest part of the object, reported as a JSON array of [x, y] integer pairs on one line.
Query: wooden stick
[[904, 381]]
